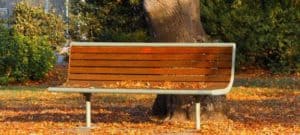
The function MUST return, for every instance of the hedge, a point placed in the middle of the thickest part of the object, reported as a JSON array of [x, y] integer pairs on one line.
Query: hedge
[[266, 32]]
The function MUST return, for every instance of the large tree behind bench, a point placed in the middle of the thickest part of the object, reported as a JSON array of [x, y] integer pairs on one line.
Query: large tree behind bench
[[179, 21]]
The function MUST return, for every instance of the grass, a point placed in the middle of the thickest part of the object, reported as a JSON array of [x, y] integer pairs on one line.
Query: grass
[[18, 88], [257, 106], [269, 82]]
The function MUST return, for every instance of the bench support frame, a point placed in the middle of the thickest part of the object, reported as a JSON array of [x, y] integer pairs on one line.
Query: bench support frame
[[197, 113], [87, 97]]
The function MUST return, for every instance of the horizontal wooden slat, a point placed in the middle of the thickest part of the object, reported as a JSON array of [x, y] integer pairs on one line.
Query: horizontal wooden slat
[[185, 67], [151, 71], [146, 84], [147, 50], [103, 63], [91, 56], [190, 78]]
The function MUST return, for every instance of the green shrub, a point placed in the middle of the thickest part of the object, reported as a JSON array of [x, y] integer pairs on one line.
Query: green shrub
[[35, 57], [26, 48], [23, 57], [33, 21], [107, 20], [4, 80], [5, 53], [266, 32]]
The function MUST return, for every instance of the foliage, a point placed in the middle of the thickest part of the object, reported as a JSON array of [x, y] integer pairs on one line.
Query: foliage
[[23, 57], [33, 21], [266, 32], [5, 56], [106, 20]]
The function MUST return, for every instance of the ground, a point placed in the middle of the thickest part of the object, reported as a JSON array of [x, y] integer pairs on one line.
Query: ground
[[258, 105]]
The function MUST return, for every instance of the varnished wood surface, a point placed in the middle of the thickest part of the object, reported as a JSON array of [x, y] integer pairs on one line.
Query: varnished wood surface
[[98, 65]]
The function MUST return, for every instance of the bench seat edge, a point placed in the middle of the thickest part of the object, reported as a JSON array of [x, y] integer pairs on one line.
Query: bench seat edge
[[142, 91]]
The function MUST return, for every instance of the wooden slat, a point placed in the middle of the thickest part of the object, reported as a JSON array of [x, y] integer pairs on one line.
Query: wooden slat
[[190, 78], [184, 66], [103, 63], [91, 56], [150, 71], [146, 84], [148, 50]]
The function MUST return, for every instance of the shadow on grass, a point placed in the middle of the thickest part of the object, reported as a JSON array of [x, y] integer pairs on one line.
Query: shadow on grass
[[263, 111], [137, 114], [105, 108]]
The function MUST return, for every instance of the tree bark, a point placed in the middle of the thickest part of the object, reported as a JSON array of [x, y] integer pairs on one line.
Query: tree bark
[[179, 21], [175, 20]]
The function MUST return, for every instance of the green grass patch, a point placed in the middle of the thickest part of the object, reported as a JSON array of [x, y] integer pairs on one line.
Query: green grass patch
[[18, 88], [269, 82]]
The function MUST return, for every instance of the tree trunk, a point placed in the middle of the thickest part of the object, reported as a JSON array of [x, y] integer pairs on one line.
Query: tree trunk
[[179, 21], [175, 20]]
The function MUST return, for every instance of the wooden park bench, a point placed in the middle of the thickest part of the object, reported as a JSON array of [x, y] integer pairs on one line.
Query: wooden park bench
[[94, 65]]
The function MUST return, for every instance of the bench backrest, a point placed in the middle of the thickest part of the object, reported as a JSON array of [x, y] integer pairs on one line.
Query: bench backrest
[[95, 64]]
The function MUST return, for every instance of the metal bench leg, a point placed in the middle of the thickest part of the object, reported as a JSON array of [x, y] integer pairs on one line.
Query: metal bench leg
[[198, 119], [88, 109]]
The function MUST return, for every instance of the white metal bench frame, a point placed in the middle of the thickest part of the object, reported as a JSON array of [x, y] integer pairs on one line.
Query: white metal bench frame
[[88, 91]]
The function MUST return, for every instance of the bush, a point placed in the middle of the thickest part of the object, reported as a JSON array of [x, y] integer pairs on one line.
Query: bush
[[26, 48], [34, 22], [266, 32], [23, 57], [4, 80], [5, 55], [106, 20]]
